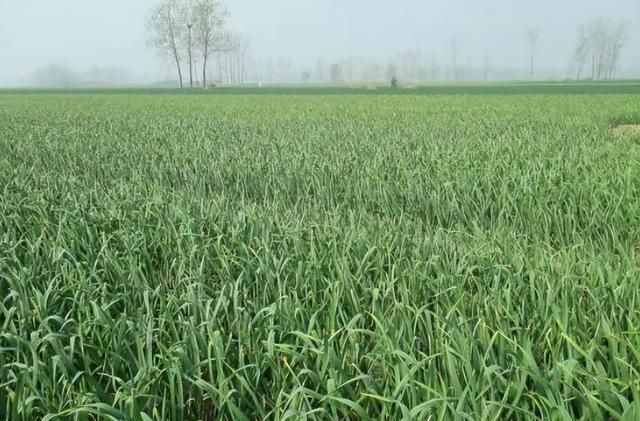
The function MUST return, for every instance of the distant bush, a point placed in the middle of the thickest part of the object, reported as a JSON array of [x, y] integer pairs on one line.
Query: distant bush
[[54, 76], [394, 82]]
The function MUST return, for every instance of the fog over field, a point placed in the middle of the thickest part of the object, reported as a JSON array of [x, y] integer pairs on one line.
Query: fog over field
[[106, 40]]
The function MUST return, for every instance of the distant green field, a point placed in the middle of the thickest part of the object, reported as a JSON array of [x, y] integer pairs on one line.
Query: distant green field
[[294, 256], [496, 88]]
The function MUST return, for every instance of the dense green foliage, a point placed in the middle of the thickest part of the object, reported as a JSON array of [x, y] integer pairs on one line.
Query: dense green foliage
[[319, 257]]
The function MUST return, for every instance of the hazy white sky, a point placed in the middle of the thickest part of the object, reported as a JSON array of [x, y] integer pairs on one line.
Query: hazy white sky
[[87, 33]]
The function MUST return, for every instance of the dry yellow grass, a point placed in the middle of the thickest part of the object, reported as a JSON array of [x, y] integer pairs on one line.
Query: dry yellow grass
[[627, 130]]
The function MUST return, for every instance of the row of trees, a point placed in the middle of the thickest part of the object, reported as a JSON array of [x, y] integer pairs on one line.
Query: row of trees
[[600, 42], [195, 31], [413, 66], [56, 75]]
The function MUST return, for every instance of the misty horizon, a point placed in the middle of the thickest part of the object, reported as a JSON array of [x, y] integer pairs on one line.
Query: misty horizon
[[100, 41]]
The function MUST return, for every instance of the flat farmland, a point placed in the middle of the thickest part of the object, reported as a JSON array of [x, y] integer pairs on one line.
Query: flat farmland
[[283, 256]]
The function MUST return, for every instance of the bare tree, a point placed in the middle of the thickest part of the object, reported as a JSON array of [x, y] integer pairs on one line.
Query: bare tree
[[189, 26], [603, 39], [532, 39], [409, 64], [618, 33], [392, 71], [467, 72], [454, 58], [233, 57], [434, 68], [347, 65], [165, 30], [581, 51], [270, 70], [241, 48], [597, 32], [195, 73], [336, 73], [319, 73], [210, 36], [486, 67], [377, 72]]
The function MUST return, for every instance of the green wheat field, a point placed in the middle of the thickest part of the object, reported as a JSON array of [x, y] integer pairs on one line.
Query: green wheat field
[[338, 256]]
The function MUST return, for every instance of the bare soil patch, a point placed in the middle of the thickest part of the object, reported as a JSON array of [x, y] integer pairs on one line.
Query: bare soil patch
[[627, 130]]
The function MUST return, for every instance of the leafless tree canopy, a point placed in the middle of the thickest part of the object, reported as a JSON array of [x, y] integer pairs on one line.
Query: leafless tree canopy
[[532, 38], [210, 35], [600, 42], [166, 30], [194, 31], [232, 59]]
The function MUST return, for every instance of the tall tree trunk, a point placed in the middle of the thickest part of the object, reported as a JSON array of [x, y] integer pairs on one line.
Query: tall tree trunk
[[242, 70], [190, 59], [600, 67], [174, 47], [612, 65], [204, 72], [580, 67], [454, 52], [612, 71], [531, 65], [532, 58], [177, 58], [204, 64]]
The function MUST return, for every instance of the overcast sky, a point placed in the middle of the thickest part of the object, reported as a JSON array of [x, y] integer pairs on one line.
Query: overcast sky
[[111, 33]]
